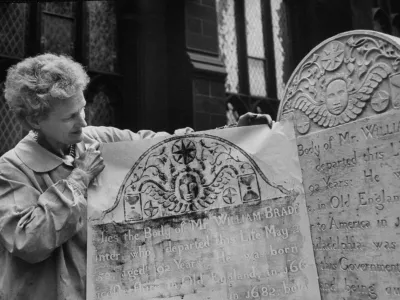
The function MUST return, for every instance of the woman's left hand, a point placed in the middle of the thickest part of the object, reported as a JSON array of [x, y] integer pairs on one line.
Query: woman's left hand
[[249, 119]]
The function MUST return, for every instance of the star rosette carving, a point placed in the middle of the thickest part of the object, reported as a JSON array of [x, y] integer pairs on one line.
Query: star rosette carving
[[191, 173], [337, 82], [332, 55]]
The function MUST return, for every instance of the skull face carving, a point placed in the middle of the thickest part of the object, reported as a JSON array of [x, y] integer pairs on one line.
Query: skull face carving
[[190, 173], [188, 187]]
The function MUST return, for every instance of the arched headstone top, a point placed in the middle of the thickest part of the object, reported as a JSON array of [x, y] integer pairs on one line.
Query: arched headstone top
[[349, 76]]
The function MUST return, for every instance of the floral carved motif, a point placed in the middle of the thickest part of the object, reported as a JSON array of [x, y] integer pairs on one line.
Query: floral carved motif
[[342, 79], [191, 173]]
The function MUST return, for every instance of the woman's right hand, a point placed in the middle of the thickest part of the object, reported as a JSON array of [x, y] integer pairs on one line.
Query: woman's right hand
[[90, 162]]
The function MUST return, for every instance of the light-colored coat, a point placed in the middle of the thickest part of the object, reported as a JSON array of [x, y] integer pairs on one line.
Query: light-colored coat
[[43, 220]]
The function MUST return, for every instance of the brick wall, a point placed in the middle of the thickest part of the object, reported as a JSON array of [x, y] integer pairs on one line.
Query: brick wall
[[201, 25], [208, 72], [209, 104]]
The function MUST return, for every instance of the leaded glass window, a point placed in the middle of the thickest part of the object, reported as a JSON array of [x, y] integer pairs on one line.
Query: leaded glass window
[[66, 9], [228, 43], [10, 128], [257, 77], [281, 42], [102, 28], [58, 28], [242, 46], [13, 25], [99, 112], [255, 47]]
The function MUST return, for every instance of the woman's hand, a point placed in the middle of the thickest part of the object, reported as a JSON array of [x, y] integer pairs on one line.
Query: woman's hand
[[249, 119], [91, 163]]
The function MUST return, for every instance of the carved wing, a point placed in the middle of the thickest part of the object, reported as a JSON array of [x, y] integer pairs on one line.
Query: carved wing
[[316, 111], [160, 194], [319, 113], [371, 81], [216, 186]]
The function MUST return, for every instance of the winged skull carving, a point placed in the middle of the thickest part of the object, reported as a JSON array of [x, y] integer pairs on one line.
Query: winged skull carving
[[189, 175], [339, 101], [189, 189]]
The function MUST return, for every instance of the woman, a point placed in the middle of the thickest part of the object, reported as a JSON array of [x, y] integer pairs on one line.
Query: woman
[[44, 179]]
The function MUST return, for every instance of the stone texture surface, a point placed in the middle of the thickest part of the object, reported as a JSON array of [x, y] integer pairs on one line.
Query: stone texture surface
[[198, 217], [347, 77], [344, 98]]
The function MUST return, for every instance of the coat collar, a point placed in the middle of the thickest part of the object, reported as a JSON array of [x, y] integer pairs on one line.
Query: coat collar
[[38, 158]]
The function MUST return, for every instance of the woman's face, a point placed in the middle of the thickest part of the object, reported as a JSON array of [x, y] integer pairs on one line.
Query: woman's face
[[65, 121]]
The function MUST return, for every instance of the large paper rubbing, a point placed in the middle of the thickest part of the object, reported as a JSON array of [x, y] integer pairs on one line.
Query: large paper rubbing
[[212, 215]]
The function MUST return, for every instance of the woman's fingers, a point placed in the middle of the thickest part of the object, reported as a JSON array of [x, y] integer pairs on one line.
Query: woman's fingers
[[94, 146], [249, 119]]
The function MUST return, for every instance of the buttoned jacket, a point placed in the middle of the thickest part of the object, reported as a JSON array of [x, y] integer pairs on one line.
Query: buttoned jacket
[[43, 219]]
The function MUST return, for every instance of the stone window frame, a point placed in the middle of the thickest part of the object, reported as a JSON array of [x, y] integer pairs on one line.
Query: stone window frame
[[386, 16], [269, 67], [243, 101]]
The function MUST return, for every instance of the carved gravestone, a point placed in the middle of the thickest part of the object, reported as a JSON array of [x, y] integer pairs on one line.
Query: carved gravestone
[[344, 98], [207, 216]]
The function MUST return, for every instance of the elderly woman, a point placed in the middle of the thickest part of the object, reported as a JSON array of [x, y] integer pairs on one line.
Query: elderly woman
[[44, 179]]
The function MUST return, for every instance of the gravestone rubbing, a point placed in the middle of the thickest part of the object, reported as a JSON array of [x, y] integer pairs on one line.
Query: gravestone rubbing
[[198, 217], [344, 98]]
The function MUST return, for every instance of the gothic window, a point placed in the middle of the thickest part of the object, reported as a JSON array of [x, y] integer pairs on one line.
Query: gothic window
[[10, 128], [242, 42], [14, 20], [99, 111], [255, 48], [102, 29], [386, 16], [58, 27], [84, 30], [228, 43], [246, 45], [281, 44], [13, 29]]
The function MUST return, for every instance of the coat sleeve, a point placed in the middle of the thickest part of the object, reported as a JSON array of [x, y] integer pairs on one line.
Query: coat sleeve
[[111, 134], [33, 224]]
